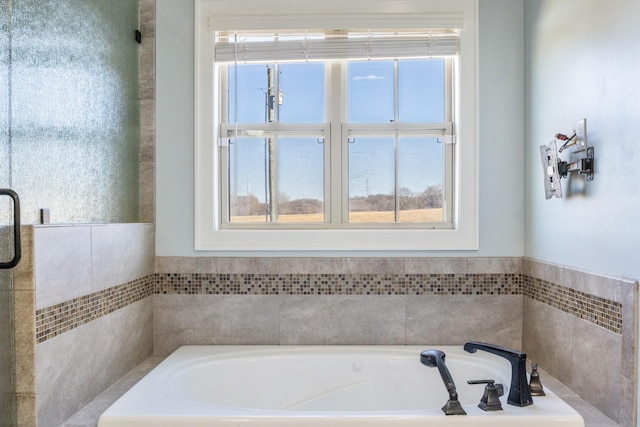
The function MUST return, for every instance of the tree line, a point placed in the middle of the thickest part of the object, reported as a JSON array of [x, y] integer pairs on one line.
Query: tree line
[[430, 198]]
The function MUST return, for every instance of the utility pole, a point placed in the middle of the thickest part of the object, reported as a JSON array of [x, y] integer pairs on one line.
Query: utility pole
[[272, 208]]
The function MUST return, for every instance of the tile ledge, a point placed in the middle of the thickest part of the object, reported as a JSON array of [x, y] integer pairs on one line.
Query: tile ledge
[[86, 224]]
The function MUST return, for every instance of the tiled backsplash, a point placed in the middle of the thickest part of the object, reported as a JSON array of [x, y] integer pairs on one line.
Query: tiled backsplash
[[597, 310], [56, 319], [60, 318], [339, 284]]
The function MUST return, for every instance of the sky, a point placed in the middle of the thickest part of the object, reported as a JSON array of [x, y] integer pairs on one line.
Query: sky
[[370, 99]]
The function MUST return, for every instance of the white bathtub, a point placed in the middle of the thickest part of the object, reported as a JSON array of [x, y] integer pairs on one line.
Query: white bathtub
[[322, 386]]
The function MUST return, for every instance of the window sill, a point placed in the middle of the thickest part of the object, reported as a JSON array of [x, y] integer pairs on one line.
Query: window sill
[[338, 240]]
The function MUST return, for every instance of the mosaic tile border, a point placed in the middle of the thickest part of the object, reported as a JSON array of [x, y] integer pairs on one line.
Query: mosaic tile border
[[599, 311], [60, 318], [339, 284]]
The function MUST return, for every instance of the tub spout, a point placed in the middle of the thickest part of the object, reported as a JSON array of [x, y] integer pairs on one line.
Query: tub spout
[[435, 358], [519, 392]]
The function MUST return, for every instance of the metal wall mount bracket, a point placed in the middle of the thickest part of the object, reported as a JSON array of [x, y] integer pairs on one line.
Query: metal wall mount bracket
[[554, 169], [583, 166], [587, 164]]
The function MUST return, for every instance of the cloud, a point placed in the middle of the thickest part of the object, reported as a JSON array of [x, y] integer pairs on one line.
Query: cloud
[[369, 77]]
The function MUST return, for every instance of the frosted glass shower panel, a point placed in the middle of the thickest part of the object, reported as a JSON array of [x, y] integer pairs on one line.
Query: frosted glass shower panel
[[5, 49], [75, 116], [7, 343]]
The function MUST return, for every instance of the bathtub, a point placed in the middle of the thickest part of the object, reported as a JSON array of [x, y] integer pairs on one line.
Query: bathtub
[[322, 386]]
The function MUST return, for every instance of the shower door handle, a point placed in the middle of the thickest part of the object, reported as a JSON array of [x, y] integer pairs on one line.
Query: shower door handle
[[17, 252]]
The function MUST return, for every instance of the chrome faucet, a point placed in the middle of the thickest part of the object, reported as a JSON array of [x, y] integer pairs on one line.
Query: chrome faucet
[[519, 392], [435, 358]]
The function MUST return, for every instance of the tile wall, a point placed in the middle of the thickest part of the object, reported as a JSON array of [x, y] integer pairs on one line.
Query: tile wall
[[24, 309], [83, 314], [582, 328], [336, 301], [564, 319], [147, 94]]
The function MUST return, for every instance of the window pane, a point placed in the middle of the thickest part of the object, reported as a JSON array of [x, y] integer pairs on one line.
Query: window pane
[[251, 93], [421, 90], [420, 180], [302, 93], [247, 192], [370, 92], [371, 180], [300, 180]]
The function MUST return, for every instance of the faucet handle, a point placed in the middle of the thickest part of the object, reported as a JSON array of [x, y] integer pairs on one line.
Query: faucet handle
[[492, 392], [534, 382]]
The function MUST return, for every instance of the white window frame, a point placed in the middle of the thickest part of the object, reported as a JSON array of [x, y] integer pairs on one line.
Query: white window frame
[[214, 15]]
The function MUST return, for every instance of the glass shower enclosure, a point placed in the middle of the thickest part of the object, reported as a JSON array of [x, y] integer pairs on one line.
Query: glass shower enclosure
[[69, 131]]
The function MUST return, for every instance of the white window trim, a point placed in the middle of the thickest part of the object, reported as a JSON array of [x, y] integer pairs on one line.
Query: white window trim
[[218, 14]]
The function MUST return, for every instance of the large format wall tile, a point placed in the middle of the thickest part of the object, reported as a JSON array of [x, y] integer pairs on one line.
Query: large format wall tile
[[214, 319], [120, 253], [454, 320], [63, 263], [335, 319], [583, 356], [328, 319], [93, 306], [73, 261], [85, 361]]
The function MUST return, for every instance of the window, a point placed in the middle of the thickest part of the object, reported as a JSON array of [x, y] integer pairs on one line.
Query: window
[[276, 121], [330, 140]]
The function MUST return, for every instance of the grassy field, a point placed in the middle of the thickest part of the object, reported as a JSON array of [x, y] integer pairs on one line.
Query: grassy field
[[415, 215]]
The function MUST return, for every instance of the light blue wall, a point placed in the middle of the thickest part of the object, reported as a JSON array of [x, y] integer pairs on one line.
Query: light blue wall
[[583, 61], [501, 132]]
